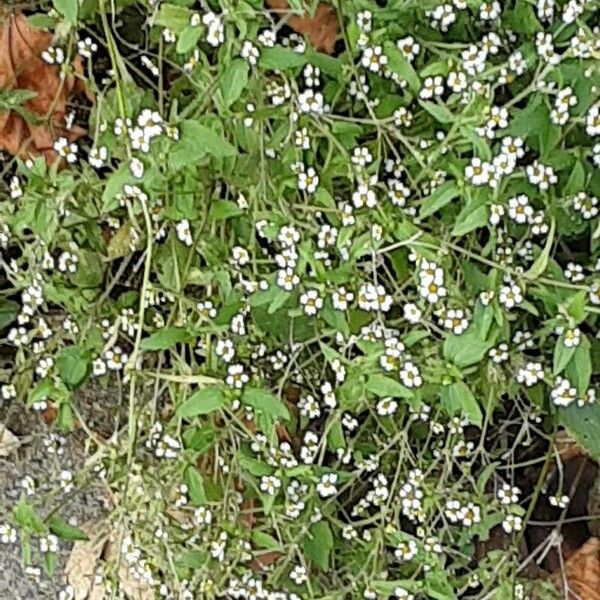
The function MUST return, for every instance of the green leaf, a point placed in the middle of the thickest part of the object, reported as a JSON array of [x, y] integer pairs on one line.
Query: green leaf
[[26, 516], [195, 483], [9, 309], [223, 209], [438, 587], [319, 543], [264, 540], [577, 305], [383, 386], [13, 99], [254, 466], [74, 365], [176, 18], [43, 390], [399, 65], [579, 369], [196, 142], [234, 80], [202, 402], [68, 9], [583, 423], [64, 530], [576, 181], [457, 398], [466, 349], [166, 338], [441, 196], [265, 402], [280, 58], [199, 439], [114, 185], [471, 217], [562, 356], [541, 262], [529, 121], [192, 559], [439, 112], [523, 19], [188, 39]]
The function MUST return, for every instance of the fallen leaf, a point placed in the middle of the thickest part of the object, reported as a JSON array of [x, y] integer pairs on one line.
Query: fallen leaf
[[567, 447], [85, 558], [263, 561], [50, 414], [9, 442], [321, 30], [22, 68], [581, 573]]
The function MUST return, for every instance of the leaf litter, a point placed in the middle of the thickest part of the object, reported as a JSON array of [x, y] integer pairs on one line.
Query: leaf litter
[[30, 128]]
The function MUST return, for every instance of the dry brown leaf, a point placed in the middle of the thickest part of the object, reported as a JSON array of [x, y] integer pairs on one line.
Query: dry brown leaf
[[9, 442], [85, 558], [321, 30], [567, 447], [21, 68], [582, 573], [81, 566], [263, 561]]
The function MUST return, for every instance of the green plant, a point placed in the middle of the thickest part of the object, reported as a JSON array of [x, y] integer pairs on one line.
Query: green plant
[[336, 293]]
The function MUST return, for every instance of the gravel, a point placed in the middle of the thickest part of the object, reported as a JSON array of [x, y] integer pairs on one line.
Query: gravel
[[98, 408]]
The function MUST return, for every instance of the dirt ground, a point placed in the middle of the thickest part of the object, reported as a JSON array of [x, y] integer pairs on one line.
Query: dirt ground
[[33, 459]]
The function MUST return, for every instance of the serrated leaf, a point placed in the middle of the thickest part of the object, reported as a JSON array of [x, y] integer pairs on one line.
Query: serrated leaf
[[541, 262], [383, 386], [440, 112], [562, 356], [175, 17], [579, 369], [470, 218], [233, 80], [188, 39], [9, 309], [202, 402], [195, 483], [280, 58], [267, 403], [264, 540], [196, 141], [166, 338], [222, 209], [457, 398], [74, 365], [319, 543], [399, 65], [576, 181], [68, 9], [583, 423], [442, 195], [466, 349]]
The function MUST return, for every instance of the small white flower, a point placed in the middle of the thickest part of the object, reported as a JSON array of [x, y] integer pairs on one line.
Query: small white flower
[[327, 485], [311, 302], [65, 149], [184, 233]]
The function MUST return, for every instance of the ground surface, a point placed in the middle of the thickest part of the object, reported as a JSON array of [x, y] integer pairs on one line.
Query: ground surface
[[33, 459]]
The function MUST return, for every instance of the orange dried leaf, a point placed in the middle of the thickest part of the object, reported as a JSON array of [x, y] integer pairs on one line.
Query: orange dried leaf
[[22, 68], [582, 573], [321, 30]]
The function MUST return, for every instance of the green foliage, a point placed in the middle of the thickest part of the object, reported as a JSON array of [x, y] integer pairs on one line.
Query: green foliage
[[319, 289]]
